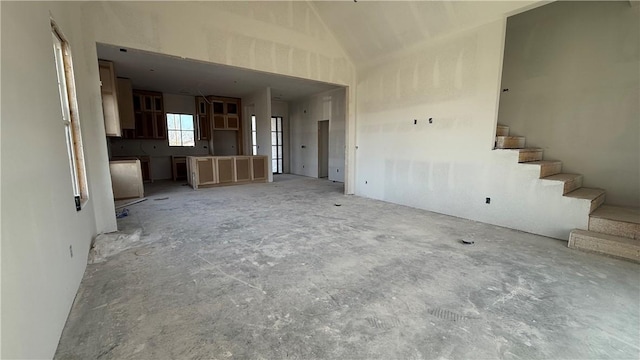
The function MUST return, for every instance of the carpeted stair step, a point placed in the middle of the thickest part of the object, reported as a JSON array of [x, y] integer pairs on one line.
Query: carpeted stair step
[[502, 130], [509, 142], [571, 181], [596, 196], [547, 167], [617, 246], [616, 220]]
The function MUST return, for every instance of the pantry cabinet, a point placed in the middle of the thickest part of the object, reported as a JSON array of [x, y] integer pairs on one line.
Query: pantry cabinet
[[109, 93]]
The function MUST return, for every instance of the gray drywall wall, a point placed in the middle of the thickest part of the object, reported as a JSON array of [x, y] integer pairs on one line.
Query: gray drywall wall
[[40, 225], [305, 114], [159, 151], [448, 165], [573, 74]]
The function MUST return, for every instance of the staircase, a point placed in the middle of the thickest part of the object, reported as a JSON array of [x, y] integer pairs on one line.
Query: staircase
[[612, 230]]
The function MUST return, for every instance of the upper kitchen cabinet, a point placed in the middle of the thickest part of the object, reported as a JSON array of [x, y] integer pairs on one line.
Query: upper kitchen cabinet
[[109, 92], [149, 115], [226, 113], [203, 117], [125, 104]]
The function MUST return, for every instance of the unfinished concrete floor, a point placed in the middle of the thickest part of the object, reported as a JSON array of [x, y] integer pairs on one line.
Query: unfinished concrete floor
[[273, 271]]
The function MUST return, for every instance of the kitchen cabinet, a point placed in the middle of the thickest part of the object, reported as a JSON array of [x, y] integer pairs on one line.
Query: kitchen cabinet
[[109, 93], [203, 118], [149, 116], [126, 179], [204, 171], [125, 104], [226, 115]]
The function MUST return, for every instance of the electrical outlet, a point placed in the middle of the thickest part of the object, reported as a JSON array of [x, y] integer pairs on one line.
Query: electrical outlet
[[487, 200], [71, 250]]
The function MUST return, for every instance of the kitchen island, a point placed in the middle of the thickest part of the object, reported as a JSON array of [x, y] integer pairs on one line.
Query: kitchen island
[[206, 171]]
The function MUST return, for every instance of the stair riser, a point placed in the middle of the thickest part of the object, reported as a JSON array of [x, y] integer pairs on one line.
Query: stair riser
[[550, 169], [527, 156], [573, 184], [604, 246], [502, 131], [509, 142], [613, 227], [595, 203]]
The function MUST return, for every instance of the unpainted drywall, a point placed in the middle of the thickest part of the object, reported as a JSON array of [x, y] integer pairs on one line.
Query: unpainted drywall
[[448, 165], [159, 151], [281, 109], [259, 104], [286, 38], [280, 37], [40, 225], [573, 74], [305, 114]]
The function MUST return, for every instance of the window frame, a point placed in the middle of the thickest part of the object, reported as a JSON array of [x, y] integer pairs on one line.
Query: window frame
[[70, 116], [193, 120], [279, 145], [254, 135]]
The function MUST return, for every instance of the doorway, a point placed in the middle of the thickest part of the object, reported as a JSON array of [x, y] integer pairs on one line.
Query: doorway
[[323, 148]]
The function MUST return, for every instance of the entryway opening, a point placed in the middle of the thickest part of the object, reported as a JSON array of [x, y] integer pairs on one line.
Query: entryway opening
[[323, 149]]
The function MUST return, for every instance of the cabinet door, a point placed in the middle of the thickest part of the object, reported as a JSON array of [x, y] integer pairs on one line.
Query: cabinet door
[[146, 130], [160, 128], [203, 127], [201, 106], [219, 122], [137, 102], [147, 103], [206, 171], [226, 170], [125, 104], [233, 123], [157, 104], [218, 107], [243, 168], [232, 108], [109, 94], [259, 167]]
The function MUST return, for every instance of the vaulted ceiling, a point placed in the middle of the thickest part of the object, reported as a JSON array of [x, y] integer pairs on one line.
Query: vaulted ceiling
[[369, 30]]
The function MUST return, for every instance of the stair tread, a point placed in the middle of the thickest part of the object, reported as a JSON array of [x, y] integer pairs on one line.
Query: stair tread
[[617, 246], [509, 137], [562, 177], [618, 213], [613, 238], [543, 162], [586, 193]]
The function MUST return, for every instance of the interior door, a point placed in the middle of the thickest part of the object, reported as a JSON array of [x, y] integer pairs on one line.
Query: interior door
[[323, 148]]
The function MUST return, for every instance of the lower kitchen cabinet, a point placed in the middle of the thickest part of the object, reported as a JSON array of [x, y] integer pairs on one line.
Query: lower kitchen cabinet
[[203, 171]]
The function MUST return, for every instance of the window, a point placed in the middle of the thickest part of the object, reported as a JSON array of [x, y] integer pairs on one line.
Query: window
[[276, 144], [181, 130], [254, 136], [69, 107]]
